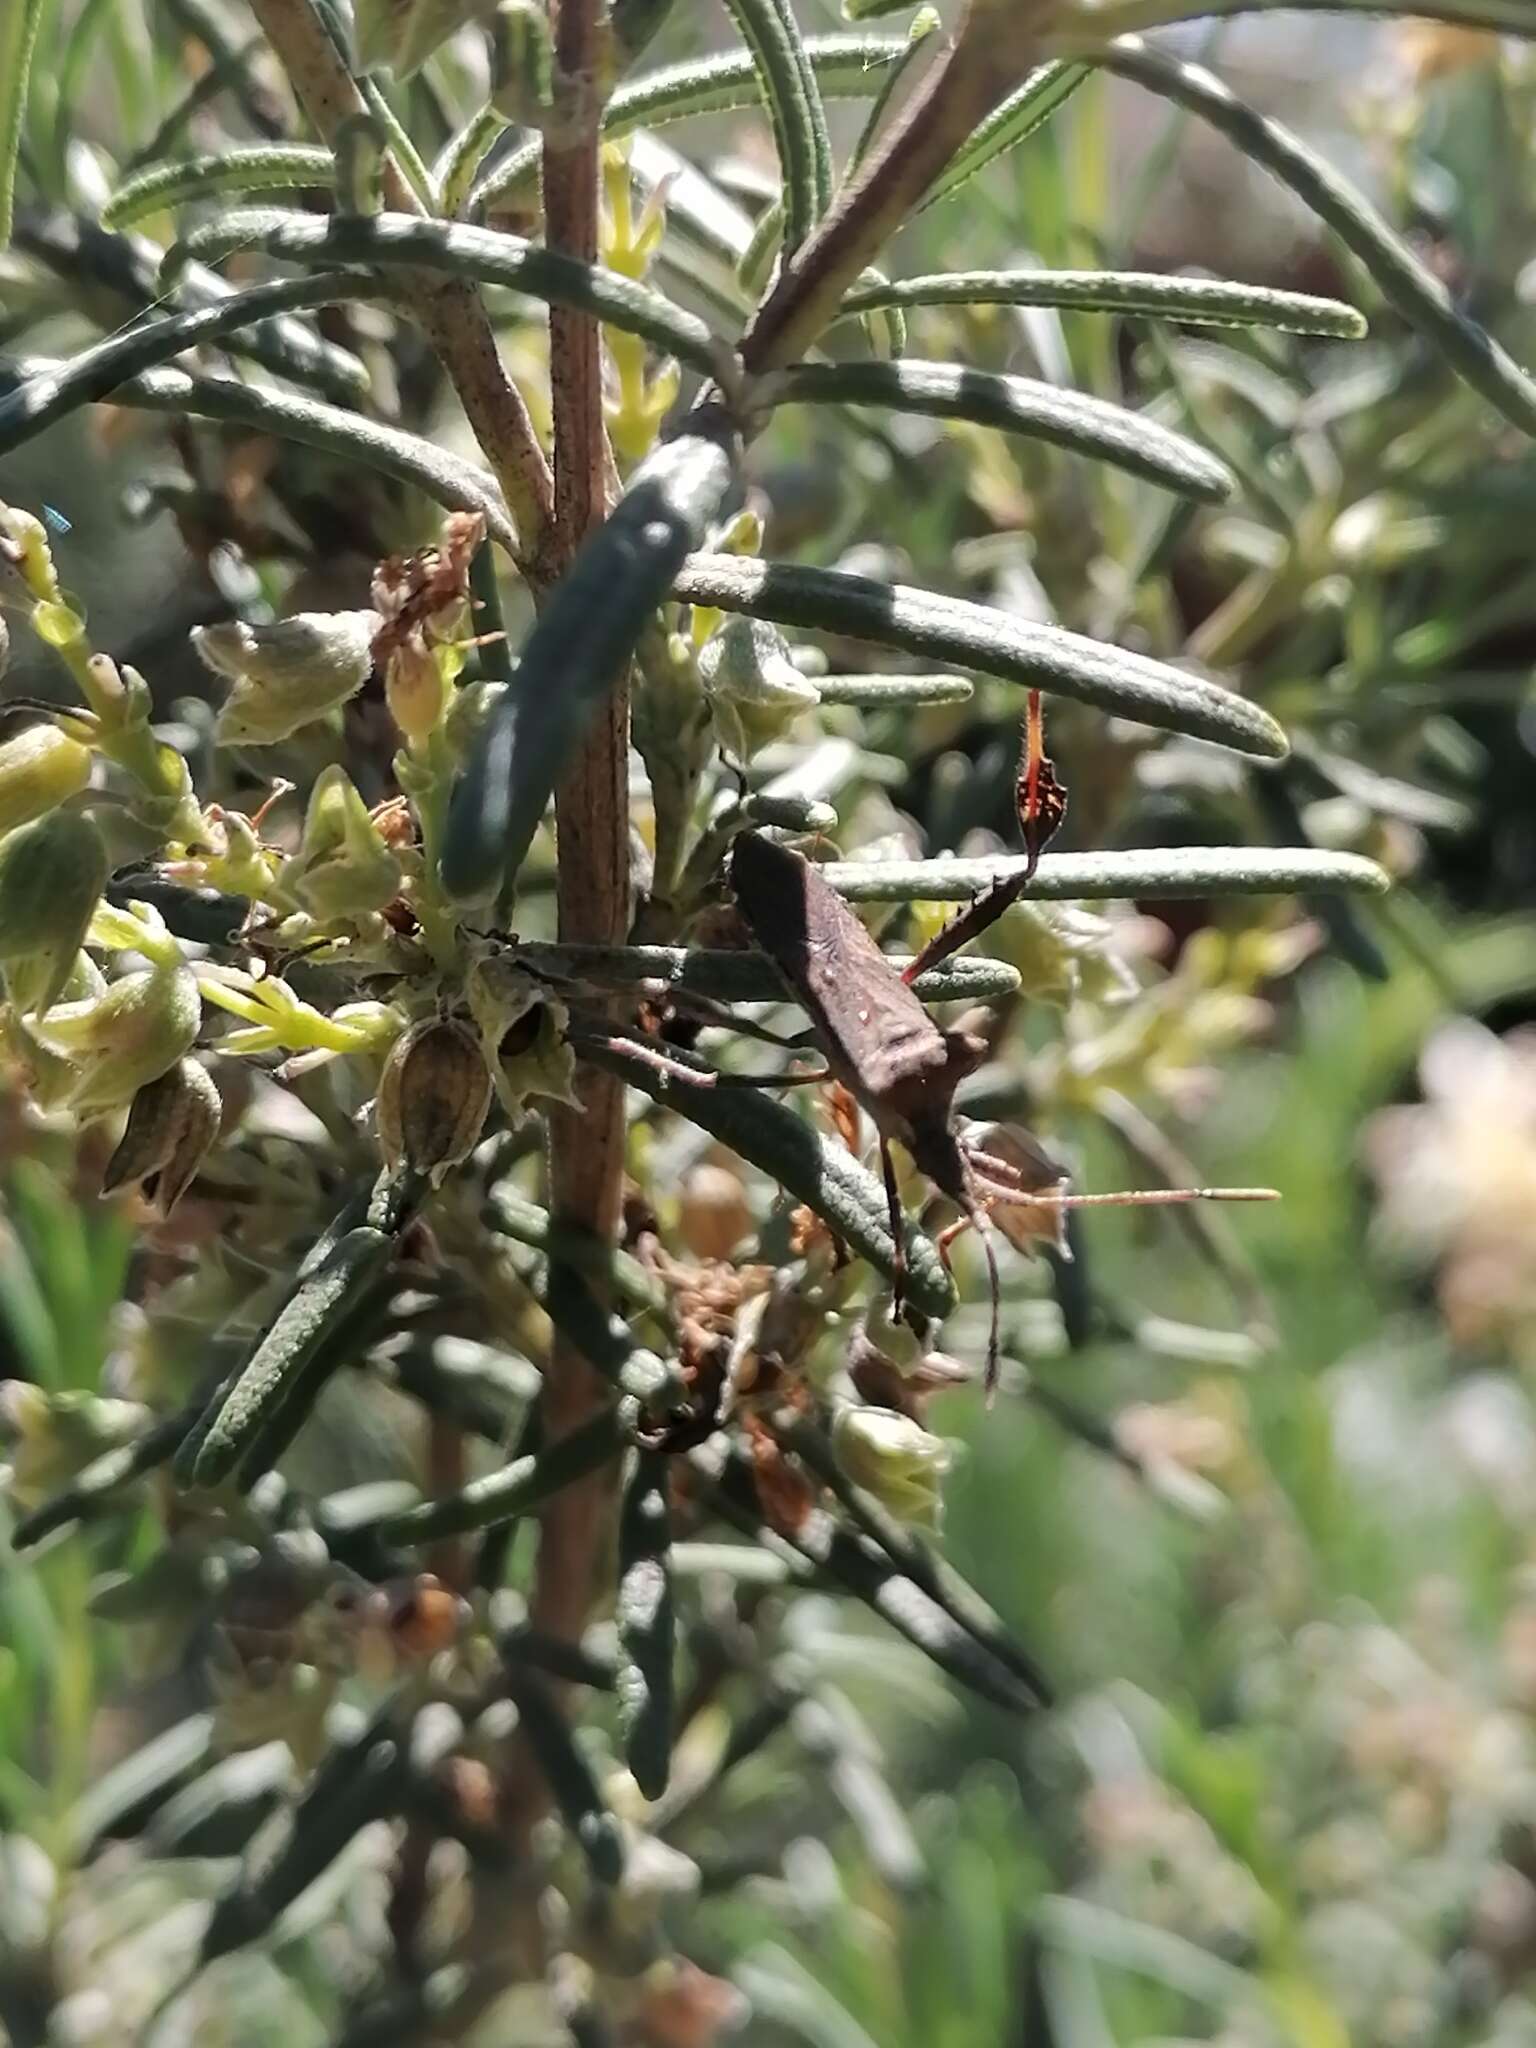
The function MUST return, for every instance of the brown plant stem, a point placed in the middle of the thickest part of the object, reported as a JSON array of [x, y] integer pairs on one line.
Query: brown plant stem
[[450, 313], [586, 1146], [994, 47]]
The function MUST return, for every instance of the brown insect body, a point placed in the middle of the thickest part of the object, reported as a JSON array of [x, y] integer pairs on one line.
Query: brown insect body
[[880, 1042]]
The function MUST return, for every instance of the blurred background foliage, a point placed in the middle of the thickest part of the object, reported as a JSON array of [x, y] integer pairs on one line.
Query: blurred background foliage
[[1264, 1509]]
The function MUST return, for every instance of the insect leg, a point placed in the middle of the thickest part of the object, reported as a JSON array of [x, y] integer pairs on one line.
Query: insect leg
[[898, 1240]]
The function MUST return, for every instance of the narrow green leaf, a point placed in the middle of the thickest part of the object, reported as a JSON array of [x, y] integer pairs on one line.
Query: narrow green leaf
[[280, 1371], [208, 917], [636, 25], [569, 1776], [1010, 123], [1016, 405], [449, 480], [858, 1565], [823, 1175], [97, 372], [845, 67], [1421, 299], [219, 1812], [127, 1792], [526, 1223], [924, 24], [517, 1489], [647, 1622], [127, 266], [767, 28], [922, 1561], [263, 167], [976, 636], [360, 1780], [1194, 301], [20, 21], [572, 658], [873, 692], [1156, 873], [745, 977], [401, 240], [453, 174], [605, 1340], [1503, 17]]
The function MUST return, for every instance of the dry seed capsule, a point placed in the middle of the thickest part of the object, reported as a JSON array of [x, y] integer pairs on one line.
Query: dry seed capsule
[[433, 1097], [171, 1126]]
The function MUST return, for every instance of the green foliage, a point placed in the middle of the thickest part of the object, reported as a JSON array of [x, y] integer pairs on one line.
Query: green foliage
[[566, 1611]]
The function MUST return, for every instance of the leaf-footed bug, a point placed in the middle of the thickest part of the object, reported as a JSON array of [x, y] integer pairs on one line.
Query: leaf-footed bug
[[882, 1045]]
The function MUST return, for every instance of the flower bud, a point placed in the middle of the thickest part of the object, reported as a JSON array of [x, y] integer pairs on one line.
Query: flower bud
[[171, 1126], [130, 1034], [433, 1097], [48, 1438], [287, 674], [414, 688], [893, 1458], [755, 691], [40, 769], [52, 873], [343, 867]]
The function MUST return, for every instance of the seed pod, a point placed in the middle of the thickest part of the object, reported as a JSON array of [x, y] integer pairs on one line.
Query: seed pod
[[433, 1097], [646, 1624], [52, 873], [171, 1127], [286, 674], [40, 769]]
